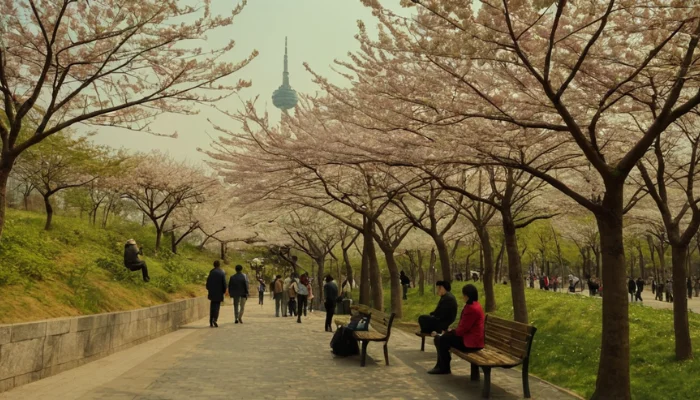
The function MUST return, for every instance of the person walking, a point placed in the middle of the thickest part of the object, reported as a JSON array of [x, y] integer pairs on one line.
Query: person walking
[[302, 290], [132, 261], [216, 286], [405, 282], [292, 295], [669, 290], [309, 287], [238, 290], [653, 286], [278, 290], [631, 288], [285, 294], [469, 335], [640, 288], [330, 295], [689, 286], [660, 289], [261, 291]]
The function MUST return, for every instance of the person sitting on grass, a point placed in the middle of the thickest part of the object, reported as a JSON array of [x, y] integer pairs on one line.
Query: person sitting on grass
[[445, 313], [468, 337], [132, 260]]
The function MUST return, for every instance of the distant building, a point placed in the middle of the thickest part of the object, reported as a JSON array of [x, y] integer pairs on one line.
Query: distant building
[[285, 97]]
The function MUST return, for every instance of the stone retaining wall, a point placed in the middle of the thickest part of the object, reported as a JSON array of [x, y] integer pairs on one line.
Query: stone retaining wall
[[36, 350]]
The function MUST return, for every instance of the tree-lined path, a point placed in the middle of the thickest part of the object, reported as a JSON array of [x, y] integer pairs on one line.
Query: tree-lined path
[[268, 358]]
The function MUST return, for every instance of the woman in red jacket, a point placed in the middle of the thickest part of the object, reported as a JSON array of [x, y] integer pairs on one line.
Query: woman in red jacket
[[469, 335]]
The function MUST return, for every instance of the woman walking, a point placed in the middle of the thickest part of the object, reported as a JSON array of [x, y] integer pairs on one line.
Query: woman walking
[[302, 290], [469, 335], [261, 291], [330, 294]]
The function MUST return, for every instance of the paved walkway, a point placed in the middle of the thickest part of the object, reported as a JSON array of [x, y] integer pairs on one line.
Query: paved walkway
[[269, 358]]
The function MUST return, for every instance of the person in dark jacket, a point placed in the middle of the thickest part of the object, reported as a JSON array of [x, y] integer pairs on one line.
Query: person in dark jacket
[[330, 295], [238, 290], [445, 313], [216, 286], [405, 282], [631, 288], [132, 260], [640, 288]]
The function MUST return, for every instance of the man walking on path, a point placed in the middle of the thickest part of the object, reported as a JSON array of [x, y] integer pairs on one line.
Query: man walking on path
[[238, 290], [640, 288], [445, 313], [216, 286], [631, 288], [405, 282], [278, 290], [330, 295]]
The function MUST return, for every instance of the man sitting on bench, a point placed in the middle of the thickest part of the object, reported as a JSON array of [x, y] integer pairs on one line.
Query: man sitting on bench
[[445, 313]]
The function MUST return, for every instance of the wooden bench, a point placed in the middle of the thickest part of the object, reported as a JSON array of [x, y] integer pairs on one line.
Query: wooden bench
[[380, 331], [507, 344]]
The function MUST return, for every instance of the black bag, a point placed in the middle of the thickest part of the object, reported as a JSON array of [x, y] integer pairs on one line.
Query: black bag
[[359, 322], [343, 344]]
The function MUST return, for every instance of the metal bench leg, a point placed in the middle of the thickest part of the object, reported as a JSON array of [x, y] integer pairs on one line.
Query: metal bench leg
[[422, 343], [386, 353], [526, 379], [475, 373], [364, 353], [486, 390]]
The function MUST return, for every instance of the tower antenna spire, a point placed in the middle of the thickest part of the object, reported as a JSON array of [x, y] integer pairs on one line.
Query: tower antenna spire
[[285, 97]]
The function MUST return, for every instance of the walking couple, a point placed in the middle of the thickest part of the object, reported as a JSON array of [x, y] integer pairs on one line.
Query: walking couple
[[237, 290]]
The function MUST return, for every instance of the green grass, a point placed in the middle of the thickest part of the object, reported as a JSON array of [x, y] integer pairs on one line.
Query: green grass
[[77, 269], [566, 347]]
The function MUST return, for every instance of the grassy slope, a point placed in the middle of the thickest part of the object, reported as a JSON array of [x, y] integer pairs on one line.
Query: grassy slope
[[77, 269], [567, 343]]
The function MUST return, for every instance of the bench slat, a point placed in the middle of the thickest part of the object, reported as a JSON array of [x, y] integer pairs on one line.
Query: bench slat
[[488, 357], [512, 325]]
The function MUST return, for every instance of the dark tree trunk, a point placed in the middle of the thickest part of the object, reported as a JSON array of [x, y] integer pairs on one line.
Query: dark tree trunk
[[223, 252], [4, 177], [348, 267], [320, 280], [173, 242], [487, 276], [613, 381], [515, 271], [159, 237], [377, 292], [49, 212], [684, 348], [395, 281], [421, 274], [444, 254], [365, 293], [641, 262]]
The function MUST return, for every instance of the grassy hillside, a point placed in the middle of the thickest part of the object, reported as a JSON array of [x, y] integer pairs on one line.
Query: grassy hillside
[[567, 343], [77, 269]]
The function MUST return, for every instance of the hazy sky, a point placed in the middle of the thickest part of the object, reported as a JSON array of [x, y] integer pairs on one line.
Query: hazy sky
[[319, 31]]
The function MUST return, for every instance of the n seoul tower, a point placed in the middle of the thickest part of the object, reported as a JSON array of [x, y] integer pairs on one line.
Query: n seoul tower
[[285, 97]]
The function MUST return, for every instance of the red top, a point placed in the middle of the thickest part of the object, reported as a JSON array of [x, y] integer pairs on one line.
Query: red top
[[471, 326]]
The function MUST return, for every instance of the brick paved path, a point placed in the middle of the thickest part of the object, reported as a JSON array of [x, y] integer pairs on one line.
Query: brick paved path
[[268, 358]]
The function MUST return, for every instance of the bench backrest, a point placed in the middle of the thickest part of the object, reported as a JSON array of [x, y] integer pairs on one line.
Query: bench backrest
[[510, 337], [381, 322]]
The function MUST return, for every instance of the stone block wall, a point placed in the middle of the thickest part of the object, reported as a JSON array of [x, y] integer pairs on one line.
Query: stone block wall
[[36, 350]]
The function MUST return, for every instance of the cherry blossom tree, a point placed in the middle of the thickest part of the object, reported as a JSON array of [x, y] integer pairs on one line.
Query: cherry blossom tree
[[159, 186], [109, 63]]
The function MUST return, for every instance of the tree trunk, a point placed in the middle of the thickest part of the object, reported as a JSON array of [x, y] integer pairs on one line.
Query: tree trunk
[[348, 267], [662, 260], [320, 280], [515, 271], [365, 271], [374, 274], [421, 276], [173, 243], [641, 262], [4, 177], [395, 282], [444, 254], [159, 236], [223, 252], [487, 276], [684, 348], [49, 212], [613, 381]]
